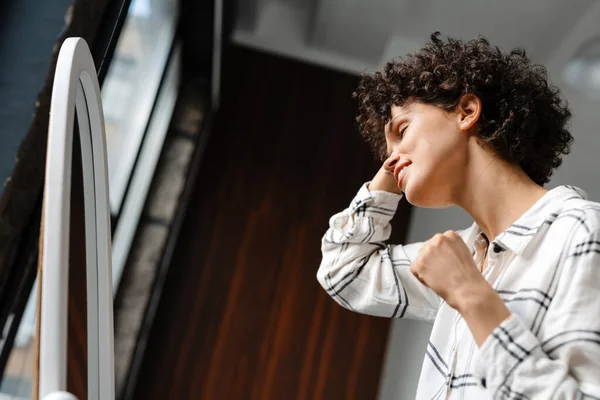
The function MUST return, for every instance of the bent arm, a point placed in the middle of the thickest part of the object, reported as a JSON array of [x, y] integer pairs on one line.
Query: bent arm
[[363, 273]]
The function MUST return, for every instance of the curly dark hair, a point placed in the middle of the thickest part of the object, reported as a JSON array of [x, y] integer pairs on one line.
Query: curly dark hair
[[524, 117]]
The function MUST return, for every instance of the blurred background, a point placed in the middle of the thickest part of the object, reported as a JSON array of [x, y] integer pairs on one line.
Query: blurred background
[[231, 141]]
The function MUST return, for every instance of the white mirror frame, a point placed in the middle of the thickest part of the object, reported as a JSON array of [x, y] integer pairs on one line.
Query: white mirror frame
[[76, 88]]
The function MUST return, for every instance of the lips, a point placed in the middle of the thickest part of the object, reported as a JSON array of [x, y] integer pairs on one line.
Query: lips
[[400, 171]]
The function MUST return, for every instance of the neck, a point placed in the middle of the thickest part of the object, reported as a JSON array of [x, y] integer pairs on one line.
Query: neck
[[496, 192]]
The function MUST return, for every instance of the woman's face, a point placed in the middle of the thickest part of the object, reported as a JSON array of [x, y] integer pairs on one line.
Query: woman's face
[[428, 149]]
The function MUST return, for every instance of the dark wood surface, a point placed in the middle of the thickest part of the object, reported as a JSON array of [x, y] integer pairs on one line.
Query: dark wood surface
[[77, 304], [242, 315]]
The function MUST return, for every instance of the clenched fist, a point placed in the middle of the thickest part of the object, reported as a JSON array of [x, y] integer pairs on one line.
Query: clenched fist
[[445, 265]]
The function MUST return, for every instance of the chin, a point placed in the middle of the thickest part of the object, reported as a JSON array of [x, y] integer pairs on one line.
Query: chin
[[425, 197]]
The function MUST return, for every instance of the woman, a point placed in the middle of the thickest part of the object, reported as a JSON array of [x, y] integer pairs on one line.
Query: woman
[[515, 298]]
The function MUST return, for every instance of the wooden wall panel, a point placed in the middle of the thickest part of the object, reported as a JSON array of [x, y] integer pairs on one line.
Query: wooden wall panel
[[77, 303], [242, 315]]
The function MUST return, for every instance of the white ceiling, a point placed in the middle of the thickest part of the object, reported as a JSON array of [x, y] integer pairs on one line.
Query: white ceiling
[[354, 35]]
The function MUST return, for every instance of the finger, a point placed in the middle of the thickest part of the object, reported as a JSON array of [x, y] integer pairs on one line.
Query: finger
[[437, 238], [416, 268]]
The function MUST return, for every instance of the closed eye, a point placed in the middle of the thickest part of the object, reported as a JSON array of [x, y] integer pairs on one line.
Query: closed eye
[[402, 131]]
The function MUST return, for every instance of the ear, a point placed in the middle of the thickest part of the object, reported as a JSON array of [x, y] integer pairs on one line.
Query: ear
[[469, 111]]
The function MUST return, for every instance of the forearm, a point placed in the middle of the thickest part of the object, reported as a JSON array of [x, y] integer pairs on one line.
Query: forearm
[[353, 250], [356, 235], [514, 363], [483, 310]]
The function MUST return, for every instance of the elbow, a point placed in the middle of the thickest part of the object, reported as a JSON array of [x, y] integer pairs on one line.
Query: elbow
[[325, 280], [326, 276], [338, 279], [323, 276]]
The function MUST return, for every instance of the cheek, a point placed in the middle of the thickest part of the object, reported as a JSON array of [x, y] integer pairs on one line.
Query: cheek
[[440, 149], [430, 160]]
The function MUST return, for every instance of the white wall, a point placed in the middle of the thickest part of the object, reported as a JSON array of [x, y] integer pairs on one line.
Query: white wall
[[404, 357]]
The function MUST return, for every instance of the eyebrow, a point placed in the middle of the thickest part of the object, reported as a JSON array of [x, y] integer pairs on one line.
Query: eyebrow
[[390, 123]]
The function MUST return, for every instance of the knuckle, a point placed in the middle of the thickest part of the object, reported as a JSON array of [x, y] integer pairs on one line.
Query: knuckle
[[415, 267], [418, 266], [426, 251], [437, 238]]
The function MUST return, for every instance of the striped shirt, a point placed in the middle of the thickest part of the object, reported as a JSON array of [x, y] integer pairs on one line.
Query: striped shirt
[[546, 268]]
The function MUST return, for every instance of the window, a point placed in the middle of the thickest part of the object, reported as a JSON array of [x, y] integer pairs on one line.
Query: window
[[131, 86]]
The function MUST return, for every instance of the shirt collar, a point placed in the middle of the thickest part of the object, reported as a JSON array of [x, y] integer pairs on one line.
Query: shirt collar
[[518, 236]]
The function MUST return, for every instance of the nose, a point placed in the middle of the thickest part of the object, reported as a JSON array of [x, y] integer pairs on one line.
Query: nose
[[391, 162]]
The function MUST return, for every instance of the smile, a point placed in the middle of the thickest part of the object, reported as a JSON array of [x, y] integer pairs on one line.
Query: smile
[[401, 170]]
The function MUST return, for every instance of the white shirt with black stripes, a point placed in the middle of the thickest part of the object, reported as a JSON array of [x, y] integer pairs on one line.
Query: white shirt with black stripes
[[546, 268]]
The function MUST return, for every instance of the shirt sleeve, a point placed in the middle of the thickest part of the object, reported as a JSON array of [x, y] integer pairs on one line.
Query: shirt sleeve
[[363, 273], [514, 363]]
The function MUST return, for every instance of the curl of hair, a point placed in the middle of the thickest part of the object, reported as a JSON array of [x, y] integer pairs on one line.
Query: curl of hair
[[524, 118]]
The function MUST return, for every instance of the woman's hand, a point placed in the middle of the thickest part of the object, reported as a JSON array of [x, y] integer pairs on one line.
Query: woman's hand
[[445, 265], [384, 181]]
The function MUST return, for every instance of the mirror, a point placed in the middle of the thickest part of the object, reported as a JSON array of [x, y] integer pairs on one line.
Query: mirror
[[75, 89]]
